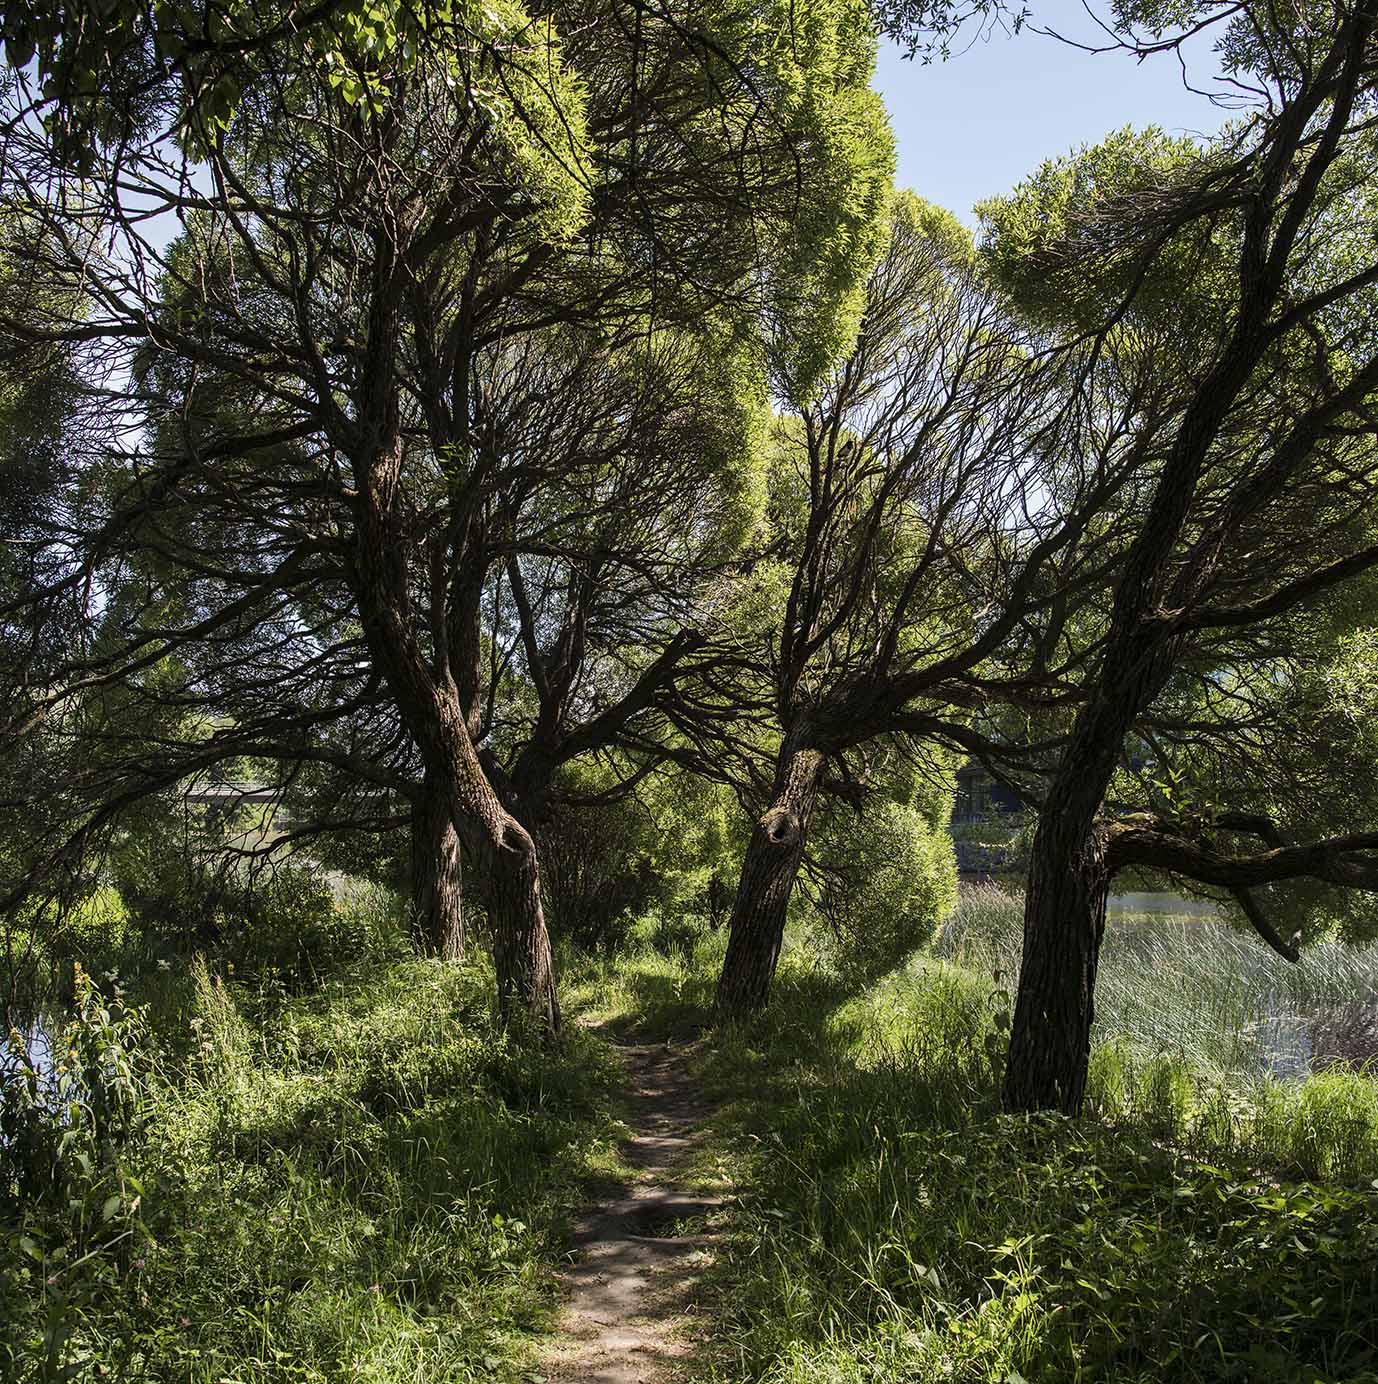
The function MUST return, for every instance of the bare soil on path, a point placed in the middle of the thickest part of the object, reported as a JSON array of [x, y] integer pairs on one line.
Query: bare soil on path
[[631, 1292]]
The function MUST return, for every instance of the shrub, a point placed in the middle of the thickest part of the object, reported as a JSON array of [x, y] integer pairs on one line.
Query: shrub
[[672, 849], [292, 932], [885, 881]]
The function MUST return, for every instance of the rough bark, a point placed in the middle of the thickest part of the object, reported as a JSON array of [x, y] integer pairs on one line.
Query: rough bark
[[1064, 922], [1068, 880], [521, 943], [1069, 875], [769, 869], [437, 913]]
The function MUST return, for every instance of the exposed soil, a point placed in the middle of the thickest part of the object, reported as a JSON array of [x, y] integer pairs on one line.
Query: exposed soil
[[631, 1290]]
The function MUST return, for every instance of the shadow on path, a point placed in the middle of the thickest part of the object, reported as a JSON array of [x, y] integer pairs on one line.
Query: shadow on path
[[631, 1292]]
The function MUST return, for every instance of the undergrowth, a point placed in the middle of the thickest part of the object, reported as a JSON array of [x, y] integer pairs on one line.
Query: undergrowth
[[366, 1182], [894, 1225]]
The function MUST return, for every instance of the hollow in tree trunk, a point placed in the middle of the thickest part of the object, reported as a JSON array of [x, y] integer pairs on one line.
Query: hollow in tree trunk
[[437, 908], [769, 869]]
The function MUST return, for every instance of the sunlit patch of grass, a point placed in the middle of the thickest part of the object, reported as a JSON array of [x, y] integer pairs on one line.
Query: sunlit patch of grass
[[366, 1183]]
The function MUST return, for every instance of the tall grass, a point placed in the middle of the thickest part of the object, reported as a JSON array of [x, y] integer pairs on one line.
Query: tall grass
[[368, 1182], [1207, 1221], [1202, 1035], [1196, 987]]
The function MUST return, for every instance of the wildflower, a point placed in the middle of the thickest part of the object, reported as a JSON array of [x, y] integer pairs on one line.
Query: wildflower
[[164, 964]]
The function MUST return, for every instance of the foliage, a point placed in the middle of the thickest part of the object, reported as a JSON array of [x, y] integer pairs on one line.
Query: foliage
[[363, 1184], [1008, 1247], [279, 924], [69, 1112], [888, 879], [670, 846], [1066, 244]]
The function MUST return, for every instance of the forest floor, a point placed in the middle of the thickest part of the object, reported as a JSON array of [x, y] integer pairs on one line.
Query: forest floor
[[633, 1291]]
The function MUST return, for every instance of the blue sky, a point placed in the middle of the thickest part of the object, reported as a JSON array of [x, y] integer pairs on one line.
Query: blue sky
[[974, 125]]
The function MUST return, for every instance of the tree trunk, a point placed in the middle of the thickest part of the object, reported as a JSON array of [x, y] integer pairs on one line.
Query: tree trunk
[[1068, 880], [430, 705], [769, 869], [521, 944], [437, 911], [1064, 922]]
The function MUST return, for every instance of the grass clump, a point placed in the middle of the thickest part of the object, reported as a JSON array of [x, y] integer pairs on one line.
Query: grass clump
[[896, 1225], [364, 1183], [892, 1239]]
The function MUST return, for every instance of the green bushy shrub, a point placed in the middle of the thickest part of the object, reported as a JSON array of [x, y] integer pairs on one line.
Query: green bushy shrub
[[282, 925], [884, 883], [292, 931], [670, 849], [170, 879]]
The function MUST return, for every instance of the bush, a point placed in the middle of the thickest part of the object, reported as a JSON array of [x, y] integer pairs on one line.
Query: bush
[[672, 848], [70, 1098], [173, 884], [291, 931], [279, 924], [885, 881]]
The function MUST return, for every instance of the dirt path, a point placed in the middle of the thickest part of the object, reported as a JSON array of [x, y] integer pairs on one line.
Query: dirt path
[[630, 1291]]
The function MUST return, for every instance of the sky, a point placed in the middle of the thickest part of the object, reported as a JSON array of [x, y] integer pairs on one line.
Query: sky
[[974, 125]]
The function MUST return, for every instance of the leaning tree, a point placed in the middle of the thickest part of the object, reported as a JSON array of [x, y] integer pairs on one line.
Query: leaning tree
[[946, 501], [1244, 269]]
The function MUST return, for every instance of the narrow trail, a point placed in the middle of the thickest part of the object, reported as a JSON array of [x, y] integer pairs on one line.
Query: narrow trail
[[629, 1295]]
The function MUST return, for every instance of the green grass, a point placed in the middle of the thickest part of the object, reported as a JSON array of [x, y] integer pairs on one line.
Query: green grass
[[353, 1176], [894, 1225], [367, 1182]]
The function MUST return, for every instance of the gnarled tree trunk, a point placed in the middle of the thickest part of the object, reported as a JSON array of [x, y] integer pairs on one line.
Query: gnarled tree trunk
[[521, 944], [437, 907], [432, 709], [769, 869]]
